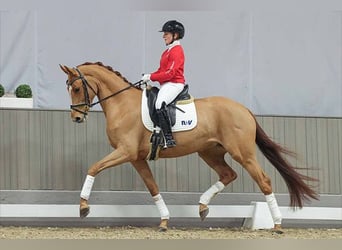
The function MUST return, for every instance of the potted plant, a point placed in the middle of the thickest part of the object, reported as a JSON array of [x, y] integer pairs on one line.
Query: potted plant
[[22, 98], [2, 90], [23, 91]]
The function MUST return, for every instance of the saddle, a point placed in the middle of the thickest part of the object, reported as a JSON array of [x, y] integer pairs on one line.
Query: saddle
[[152, 94], [157, 140]]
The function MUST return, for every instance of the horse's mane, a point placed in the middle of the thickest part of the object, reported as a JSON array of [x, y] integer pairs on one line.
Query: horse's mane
[[107, 67]]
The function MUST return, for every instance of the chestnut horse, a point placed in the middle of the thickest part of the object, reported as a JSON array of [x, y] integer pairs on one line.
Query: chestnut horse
[[224, 126]]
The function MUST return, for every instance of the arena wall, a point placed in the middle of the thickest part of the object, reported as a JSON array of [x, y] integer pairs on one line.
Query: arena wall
[[45, 150]]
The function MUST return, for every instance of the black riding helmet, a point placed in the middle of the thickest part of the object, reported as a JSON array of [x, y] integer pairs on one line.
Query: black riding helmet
[[174, 27]]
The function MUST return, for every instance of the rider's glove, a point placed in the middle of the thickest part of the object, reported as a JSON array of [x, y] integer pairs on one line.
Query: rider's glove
[[146, 77]]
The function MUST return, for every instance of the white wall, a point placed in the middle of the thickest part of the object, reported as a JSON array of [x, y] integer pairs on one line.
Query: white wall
[[275, 62]]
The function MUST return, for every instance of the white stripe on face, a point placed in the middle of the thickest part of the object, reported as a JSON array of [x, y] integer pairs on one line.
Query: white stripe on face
[[69, 89]]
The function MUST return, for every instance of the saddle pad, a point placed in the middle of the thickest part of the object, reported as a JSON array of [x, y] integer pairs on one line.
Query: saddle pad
[[184, 121]]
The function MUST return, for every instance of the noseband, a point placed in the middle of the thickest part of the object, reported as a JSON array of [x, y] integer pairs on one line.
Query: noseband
[[85, 86]]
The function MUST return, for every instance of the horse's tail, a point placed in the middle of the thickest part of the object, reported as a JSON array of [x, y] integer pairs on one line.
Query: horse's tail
[[299, 191]]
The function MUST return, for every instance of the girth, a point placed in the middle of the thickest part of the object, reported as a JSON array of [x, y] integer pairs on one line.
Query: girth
[[151, 95]]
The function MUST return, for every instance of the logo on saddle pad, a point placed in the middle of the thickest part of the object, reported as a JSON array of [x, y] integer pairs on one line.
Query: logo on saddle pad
[[185, 117]]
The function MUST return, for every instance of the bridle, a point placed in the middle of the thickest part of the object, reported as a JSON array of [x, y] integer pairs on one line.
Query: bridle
[[86, 85]]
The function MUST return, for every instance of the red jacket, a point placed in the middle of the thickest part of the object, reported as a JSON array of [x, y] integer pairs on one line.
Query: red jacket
[[171, 67]]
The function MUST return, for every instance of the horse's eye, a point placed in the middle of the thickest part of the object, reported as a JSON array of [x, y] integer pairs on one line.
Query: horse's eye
[[76, 90]]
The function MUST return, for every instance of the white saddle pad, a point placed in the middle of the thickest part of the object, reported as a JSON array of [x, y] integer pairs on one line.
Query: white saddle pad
[[184, 121]]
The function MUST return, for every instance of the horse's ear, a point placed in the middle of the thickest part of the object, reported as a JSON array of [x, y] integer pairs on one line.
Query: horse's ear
[[67, 70]]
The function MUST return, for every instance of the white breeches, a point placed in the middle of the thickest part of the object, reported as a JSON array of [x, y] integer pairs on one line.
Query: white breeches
[[168, 92]]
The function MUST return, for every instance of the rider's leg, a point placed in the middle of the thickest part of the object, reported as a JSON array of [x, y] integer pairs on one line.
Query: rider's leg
[[165, 125], [167, 93]]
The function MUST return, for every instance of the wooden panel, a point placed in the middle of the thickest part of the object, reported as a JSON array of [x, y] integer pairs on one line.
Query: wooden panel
[[182, 174], [204, 176], [290, 137], [339, 160], [34, 163], [300, 142], [194, 180], [171, 174], [5, 174], [72, 164], [46, 172], [322, 157], [13, 151], [56, 132], [312, 148], [333, 163], [279, 137], [44, 149]]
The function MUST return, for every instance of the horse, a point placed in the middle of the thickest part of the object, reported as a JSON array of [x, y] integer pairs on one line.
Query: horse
[[224, 126]]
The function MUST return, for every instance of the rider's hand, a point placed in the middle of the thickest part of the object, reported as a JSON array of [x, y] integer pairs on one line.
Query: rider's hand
[[146, 77]]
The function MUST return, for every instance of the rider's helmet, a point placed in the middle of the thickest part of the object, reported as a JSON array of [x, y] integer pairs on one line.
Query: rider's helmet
[[173, 27]]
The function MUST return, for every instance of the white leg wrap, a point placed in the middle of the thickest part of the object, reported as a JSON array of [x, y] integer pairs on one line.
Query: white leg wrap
[[211, 192], [274, 209], [87, 186], [164, 212]]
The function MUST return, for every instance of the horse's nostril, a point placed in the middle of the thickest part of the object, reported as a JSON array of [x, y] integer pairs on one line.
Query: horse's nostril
[[78, 119]]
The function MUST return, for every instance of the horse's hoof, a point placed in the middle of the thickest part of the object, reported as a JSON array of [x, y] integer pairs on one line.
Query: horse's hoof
[[163, 225], [162, 229], [84, 212], [277, 229], [203, 213]]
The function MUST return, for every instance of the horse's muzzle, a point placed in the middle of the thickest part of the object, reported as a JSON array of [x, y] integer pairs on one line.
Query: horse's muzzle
[[79, 118]]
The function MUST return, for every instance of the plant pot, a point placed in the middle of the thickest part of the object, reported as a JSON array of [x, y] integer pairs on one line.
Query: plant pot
[[14, 102]]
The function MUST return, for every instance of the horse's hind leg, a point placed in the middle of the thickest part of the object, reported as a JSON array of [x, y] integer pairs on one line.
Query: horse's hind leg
[[252, 166], [214, 157]]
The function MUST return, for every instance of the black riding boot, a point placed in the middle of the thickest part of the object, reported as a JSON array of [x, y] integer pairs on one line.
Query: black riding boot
[[165, 125]]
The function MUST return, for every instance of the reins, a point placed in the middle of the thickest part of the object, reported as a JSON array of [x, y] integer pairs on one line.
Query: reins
[[85, 84], [131, 85]]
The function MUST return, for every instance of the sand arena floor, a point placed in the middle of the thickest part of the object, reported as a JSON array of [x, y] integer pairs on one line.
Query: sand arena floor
[[128, 232]]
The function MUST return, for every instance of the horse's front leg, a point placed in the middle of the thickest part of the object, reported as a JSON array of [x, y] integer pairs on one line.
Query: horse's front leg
[[113, 159], [144, 171]]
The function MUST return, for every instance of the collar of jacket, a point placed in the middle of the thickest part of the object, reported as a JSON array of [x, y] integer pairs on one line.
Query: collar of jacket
[[171, 45]]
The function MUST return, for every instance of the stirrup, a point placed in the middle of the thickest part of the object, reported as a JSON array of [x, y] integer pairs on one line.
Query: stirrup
[[170, 143]]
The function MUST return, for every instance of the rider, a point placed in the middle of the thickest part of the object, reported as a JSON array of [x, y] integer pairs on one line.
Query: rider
[[170, 75]]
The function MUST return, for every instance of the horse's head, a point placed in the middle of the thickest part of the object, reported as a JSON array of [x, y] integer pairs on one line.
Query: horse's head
[[81, 93]]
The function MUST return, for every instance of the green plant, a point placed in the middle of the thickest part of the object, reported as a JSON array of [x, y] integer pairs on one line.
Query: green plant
[[2, 90], [23, 91]]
